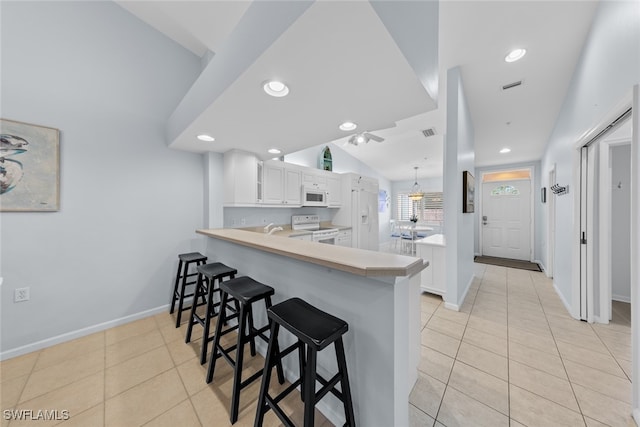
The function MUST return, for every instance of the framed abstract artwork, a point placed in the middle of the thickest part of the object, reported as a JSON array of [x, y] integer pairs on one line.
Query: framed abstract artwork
[[29, 167]]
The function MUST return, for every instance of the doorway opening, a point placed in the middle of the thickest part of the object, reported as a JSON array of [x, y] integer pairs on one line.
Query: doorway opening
[[604, 226]]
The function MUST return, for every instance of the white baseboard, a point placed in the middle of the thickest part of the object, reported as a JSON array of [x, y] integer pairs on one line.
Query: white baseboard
[[456, 306], [621, 298], [636, 416], [451, 306], [564, 301], [48, 342], [544, 269]]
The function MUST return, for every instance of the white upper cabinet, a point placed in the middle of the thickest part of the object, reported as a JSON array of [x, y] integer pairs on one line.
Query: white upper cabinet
[[314, 178], [334, 190], [241, 182], [281, 184], [250, 182]]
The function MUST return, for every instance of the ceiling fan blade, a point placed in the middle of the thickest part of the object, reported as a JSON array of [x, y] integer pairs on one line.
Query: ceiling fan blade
[[352, 140], [374, 137]]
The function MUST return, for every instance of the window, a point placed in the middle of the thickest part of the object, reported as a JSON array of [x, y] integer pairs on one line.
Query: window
[[428, 209], [505, 190]]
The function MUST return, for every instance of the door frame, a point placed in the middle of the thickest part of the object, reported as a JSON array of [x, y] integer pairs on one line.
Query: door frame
[[532, 170], [593, 135], [606, 292], [551, 224]]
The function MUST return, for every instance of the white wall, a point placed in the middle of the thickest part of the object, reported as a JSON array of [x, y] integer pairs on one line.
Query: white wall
[[608, 68], [458, 157], [621, 223], [129, 205]]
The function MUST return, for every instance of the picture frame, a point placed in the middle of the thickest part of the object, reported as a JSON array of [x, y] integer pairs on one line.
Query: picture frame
[[543, 194], [468, 192], [29, 167]]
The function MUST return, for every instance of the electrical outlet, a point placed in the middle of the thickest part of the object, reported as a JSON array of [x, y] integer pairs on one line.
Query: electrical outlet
[[21, 294]]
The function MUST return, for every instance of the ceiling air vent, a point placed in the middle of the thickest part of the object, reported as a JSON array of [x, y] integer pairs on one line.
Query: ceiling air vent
[[511, 85], [429, 132]]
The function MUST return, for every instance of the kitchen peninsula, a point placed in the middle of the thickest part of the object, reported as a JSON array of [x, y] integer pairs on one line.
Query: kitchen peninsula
[[376, 293]]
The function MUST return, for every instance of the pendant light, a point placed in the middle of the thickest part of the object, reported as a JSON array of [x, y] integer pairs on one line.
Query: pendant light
[[416, 194]]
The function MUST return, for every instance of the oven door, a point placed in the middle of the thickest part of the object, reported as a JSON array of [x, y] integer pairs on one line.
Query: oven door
[[329, 240]]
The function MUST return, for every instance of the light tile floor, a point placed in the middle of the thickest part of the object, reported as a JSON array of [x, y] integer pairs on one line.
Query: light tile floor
[[138, 374], [511, 356]]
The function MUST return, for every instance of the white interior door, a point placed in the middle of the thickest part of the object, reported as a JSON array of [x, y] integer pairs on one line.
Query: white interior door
[[506, 219]]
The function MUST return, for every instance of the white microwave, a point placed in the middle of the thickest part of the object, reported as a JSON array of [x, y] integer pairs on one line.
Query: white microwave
[[314, 197]]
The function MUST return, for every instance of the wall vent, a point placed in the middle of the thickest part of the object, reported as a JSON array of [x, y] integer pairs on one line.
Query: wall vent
[[429, 132], [511, 85]]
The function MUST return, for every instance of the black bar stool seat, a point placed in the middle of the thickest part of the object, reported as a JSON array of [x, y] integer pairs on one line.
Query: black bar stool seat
[[206, 289], [309, 324], [245, 291], [315, 330], [182, 281]]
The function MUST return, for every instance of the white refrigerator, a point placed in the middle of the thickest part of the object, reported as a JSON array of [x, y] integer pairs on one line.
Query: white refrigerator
[[360, 210]]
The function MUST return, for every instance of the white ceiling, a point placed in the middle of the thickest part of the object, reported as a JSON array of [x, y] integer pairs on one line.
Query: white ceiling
[[342, 64]]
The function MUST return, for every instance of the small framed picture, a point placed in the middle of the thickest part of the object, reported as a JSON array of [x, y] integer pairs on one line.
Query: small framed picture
[[468, 192]]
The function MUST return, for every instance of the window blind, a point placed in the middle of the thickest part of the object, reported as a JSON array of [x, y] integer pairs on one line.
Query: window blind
[[428, 209]]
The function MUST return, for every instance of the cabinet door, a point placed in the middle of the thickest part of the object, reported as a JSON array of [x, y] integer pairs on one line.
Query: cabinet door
[[292, 193], [334, 191], [240, 178], [273, 184]]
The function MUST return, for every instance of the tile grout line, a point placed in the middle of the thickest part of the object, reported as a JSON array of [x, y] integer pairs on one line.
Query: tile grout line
[[455, 358], [508, 352], [555, 342], [104, 382], [25, 384], [610, 352]]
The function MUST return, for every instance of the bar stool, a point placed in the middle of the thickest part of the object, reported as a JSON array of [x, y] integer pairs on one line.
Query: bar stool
[[245, 291], [206, 289], [182, 277], [315, 330]]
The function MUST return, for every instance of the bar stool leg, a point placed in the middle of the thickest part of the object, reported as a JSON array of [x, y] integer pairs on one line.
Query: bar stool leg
[[199, 290], [310, 388], [222, 318], [301, 367], [266, 375], [252, 329], [344, 383], [183, 289], [237, 369], [175, 288], [210, 312]]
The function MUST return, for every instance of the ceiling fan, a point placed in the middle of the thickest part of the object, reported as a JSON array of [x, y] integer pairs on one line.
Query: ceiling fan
[[363, 137]]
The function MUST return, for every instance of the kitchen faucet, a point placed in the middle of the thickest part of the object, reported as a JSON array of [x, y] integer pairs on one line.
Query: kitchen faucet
[[274, 229], [266, 227]]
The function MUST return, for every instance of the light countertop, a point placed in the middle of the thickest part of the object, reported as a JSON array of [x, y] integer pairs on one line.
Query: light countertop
[[434, 240], [355, 261]]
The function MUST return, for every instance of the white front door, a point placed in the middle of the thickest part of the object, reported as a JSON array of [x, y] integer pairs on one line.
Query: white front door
[[506, 219]]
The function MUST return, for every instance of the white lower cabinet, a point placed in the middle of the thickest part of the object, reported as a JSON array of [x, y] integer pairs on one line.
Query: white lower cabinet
[[344, 238], [432, 249]]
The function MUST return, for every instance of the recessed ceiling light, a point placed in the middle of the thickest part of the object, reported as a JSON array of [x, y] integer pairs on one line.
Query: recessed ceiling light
[[505, 150], [274, 151], [347, 126], [276, 88], [205, 137], [515, 54]]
